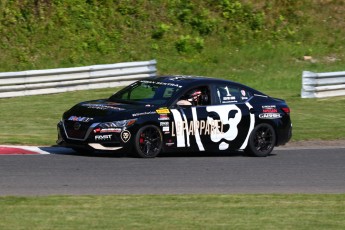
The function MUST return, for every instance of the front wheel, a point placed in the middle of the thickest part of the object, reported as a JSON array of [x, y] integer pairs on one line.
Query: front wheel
[[148, 141], [261, 141]]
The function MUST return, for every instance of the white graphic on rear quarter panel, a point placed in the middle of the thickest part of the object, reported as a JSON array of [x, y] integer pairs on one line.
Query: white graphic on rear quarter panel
[[223, 112]]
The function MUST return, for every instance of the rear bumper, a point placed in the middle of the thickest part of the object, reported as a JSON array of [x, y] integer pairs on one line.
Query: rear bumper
[[284, 135]]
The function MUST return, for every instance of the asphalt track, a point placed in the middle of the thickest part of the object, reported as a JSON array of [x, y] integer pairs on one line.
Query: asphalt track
[[289, 170]]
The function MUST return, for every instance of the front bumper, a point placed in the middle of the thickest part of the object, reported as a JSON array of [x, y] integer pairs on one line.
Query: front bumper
[[89, 137]]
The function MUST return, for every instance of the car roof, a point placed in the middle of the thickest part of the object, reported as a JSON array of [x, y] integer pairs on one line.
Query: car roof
[[189, 80]]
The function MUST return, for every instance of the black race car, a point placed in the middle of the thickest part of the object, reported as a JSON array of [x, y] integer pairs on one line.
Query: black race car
[[173, 113]]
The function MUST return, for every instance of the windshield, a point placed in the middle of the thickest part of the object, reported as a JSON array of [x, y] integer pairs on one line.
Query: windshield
[[147, 92]]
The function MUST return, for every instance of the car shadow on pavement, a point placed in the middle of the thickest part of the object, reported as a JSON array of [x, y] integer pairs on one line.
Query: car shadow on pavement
[[57, 150], [209, 154]]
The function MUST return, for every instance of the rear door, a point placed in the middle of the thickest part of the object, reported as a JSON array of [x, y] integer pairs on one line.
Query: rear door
[[233, 111]]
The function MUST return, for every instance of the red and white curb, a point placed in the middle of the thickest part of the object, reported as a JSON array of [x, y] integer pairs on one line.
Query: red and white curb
[[20, 150], [32, 150]]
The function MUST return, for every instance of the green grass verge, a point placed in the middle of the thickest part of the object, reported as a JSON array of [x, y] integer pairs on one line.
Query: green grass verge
[[32, 120], [174, 212]]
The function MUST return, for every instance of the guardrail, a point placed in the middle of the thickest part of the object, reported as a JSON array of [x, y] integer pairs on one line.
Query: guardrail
[[320, 85], [35, 82]]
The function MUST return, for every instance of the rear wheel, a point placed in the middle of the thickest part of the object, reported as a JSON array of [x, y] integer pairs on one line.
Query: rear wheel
[[262, 140], [148, 141]]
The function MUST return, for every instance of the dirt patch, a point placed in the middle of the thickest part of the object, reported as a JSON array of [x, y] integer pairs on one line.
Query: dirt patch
[[315, 144]]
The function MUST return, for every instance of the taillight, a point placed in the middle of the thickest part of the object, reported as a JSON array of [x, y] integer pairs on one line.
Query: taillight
[[286, 110]]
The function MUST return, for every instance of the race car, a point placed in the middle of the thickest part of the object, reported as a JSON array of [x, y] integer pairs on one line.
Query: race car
[[172, 113]]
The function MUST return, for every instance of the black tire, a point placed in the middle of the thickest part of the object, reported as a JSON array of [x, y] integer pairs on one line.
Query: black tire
[[261, 141], [148, 141]]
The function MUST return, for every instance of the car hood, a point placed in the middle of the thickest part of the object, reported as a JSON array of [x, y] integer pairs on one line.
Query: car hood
[[105, 110]]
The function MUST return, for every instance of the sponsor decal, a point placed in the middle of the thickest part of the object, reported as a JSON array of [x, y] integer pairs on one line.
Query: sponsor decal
[[103, 137], [165, 123], [163, 111], [200, 127], [161, 83], [81, 119], [166, 129], [228, 102], [268, 106], [111, 130], [163, 117], [108, 130], [269, 109], [125, 136], [169, 142], [98, 130], [144, 113], [270, 115], [229, 98], [101, 107]]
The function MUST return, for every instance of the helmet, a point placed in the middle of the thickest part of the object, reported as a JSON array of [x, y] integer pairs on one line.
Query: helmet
[[194, 96]]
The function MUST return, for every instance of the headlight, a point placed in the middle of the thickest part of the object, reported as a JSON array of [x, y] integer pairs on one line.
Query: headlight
[[113, 124]]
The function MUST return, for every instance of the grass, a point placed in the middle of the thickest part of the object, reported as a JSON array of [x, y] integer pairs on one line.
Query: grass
[[32, 120], [315, 119], [174, 212]]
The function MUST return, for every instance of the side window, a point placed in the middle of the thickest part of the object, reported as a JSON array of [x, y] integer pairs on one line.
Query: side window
[[245, 94], [229, 94], [196, 97]]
